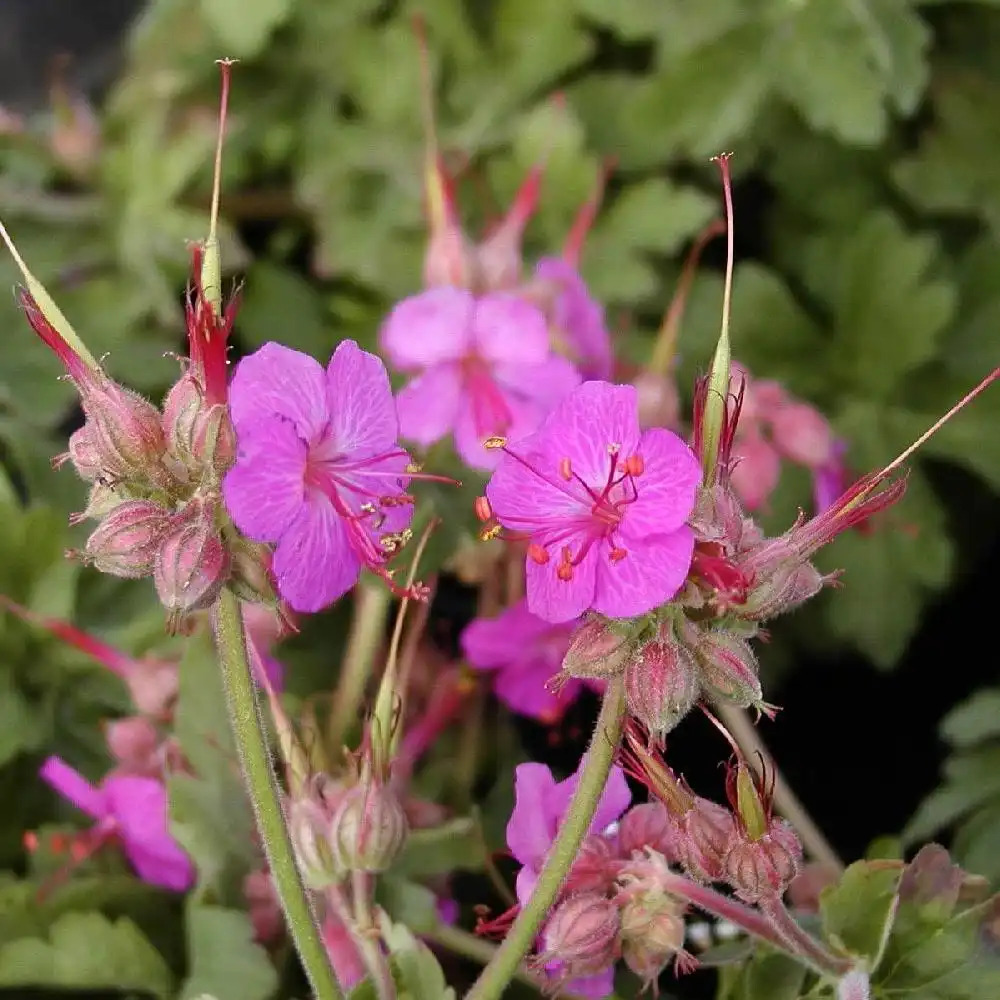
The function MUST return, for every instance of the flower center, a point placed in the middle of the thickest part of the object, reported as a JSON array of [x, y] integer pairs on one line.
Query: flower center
[[490, 412]]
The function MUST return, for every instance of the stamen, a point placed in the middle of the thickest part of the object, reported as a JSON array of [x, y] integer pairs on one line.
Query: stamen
[[538, 554], [483, 509], [565, 469], [617, 554], [490, 532], [495, 442], [394, 541], [565, 568], [634, 465]]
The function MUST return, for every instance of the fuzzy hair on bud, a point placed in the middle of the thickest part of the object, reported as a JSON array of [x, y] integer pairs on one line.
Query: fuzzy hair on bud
[[763, 868], [369, 828], [125, 543], [308, 825], [596, 651], [647, 826], [661, 684], [728, 668], [582, 935]]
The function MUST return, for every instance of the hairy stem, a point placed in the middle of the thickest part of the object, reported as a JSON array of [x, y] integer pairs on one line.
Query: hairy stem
[[593, 776], [803, 943], [787, 802], [371, 603], [262, 787], [367, 938]]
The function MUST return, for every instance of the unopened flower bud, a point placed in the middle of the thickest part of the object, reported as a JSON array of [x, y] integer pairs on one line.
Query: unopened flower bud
[[83, 454], [763, 868], [368, 828], [133, 742], [126, 432], [652, 933], [250, 577], [582, 935], [125, 543], [596, 651], [661, 684], [308, 826], [192, 564], [200, 434], [705, 833], [647, 826], [783, 590], [727, 668]]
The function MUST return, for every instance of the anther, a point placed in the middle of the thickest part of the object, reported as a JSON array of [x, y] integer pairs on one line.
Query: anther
[[483, 509], [634, 465], [538, 554], [490, 532], [495, 442], [565, 469], [616, 555]]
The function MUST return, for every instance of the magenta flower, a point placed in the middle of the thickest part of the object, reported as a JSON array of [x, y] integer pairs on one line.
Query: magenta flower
[[577, 318], [831, 478], [526, 652], [483, 368], [317, 471], [603, 505], [540, 802], [131, 810]]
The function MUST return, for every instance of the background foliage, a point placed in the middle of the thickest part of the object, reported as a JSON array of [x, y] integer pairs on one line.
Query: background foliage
[[865, 136]]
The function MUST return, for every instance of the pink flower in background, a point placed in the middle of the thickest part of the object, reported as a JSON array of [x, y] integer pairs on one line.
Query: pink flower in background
[[131, 810], [483, 367], [318, 471], [603, 505], [831, 478], [526, 652], [540, 802], [342, 951], [576, 317]]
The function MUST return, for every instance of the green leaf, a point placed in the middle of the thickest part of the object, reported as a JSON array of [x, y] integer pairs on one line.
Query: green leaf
[[86, 951], [417, 972], [273, 294], [949, 172], [437, 850], [857, 912], [840, 64], [973, 720], [768, 975], [223, 957], [888, 309], [244, 26]]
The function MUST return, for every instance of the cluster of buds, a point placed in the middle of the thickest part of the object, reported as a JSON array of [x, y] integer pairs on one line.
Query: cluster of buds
[[744, 846]]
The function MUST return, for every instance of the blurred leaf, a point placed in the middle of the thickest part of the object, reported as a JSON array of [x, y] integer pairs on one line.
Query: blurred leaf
[[86, 951], [224, 959], [973, 720], [418, 974], [244, 26], [768, 975], [273, 294], [438, 850]]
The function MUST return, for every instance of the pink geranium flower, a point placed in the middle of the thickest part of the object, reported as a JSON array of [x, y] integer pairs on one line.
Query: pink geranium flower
[[602, 504], [317, 471], [483, 367], [526, 652], [131, 810], [540, 803]]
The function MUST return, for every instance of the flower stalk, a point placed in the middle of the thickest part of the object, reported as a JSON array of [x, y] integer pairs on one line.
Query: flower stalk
[[593, 777], [262, 788]]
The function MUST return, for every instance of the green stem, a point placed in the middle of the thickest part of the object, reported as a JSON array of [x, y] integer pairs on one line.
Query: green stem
[[593, 776], [800, 941], [262, 787], [367, 625], [368, 937]]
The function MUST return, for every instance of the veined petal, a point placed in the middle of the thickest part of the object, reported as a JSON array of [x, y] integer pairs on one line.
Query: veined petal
[[493, 642], [277, 380], [314, 562], [362, 411], [428, 329], [531, 825], [522, 688], [665, 489], [652, 571], [264, 490], [558, 600]]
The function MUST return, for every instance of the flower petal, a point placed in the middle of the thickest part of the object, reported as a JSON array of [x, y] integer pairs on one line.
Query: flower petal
[[650, 574], [546, 383], [509, 329], [558, 600], [428, 406], [429, 328], [277, 380], [665, 490], [615, 799], [140, 806], [362, 411], [522, 687], [74, 787], [494, 642], [314, 562], [531, 826], [265, 489]]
